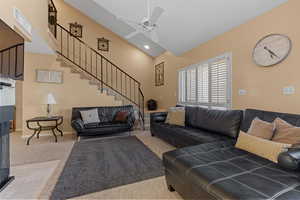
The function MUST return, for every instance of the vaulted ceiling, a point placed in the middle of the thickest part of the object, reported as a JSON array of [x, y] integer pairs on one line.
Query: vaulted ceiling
[[184, 25]]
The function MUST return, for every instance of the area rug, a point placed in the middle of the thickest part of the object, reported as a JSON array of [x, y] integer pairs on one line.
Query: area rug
[[96, 165]]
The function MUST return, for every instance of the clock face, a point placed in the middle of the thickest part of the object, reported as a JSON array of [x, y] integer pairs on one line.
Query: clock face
[[272, 50]]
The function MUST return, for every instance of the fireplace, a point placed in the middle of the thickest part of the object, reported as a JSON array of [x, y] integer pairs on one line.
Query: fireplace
[[6, 114]]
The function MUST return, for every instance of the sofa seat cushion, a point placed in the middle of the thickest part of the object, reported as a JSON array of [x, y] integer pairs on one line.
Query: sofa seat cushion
[[229, 173], [105, 125], [185, 136], [91, 125]]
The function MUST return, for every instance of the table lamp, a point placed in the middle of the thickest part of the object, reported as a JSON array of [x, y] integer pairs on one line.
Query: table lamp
[[50, 100]]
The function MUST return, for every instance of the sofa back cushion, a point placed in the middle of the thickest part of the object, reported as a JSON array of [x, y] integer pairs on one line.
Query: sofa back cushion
[[219, 121], [251, 114], [106, 114], [90, 116]]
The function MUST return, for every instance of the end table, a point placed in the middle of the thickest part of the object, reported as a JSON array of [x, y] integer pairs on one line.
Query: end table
[[41, 127]]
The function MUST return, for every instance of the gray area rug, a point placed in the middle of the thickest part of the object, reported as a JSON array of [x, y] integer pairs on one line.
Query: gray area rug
[[96, 165]]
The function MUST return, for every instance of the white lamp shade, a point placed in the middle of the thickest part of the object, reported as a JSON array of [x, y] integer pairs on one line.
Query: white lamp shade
[[50, 99]]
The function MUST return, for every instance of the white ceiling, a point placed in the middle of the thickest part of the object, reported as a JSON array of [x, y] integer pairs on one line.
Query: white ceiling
[[184, 25]]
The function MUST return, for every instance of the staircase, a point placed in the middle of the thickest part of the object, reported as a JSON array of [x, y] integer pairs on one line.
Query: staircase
[[91, 65]]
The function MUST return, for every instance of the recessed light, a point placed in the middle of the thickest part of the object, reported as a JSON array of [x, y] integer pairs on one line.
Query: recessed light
[[146, 46]]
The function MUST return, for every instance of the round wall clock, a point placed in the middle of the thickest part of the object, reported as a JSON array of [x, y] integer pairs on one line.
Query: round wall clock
[[271, 50]]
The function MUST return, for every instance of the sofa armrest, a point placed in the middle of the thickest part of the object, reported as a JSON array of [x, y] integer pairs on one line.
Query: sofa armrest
[[290, 160], [131, 119], [158, 117], [78, 125]]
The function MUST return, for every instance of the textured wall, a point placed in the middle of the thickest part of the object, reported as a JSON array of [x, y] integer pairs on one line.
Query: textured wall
[[264, 85]]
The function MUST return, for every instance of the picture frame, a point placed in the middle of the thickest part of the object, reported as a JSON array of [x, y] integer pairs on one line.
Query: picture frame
[[49, 76], [159, 74], [103, 44], [76, 29]]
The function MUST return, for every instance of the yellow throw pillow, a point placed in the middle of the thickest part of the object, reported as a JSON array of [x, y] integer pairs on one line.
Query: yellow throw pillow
[[262, 129], [285, 132], [261, 147], [176, 117]]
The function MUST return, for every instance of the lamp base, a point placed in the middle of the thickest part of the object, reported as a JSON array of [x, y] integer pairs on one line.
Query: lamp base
[[48, 110]]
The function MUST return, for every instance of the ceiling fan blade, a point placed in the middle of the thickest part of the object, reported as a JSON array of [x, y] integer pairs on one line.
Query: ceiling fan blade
[[132, 34], [154, 36], [157, 12], [128, 20]]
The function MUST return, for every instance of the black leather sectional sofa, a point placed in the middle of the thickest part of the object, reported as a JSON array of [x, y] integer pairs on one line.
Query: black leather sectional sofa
[[208, 166], [106, 125]]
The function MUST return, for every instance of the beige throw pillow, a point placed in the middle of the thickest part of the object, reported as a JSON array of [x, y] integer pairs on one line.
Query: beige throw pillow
[[262, 129], [261, 147], [176, 116], [285, 132]]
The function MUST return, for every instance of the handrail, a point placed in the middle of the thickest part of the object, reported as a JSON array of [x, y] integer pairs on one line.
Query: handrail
[[96, 78], [97, 53], [16, 45], [106, 74]]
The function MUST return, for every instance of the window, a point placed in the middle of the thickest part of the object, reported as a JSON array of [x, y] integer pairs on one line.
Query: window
[[206, 84]]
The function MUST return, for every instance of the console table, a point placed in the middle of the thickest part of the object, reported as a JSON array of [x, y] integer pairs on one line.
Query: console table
[[39, 126]]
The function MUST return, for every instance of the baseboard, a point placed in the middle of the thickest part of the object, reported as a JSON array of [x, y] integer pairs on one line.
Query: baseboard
[[49, 134]]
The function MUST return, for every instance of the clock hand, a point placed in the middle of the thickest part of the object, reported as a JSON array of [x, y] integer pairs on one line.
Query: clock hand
[[272, 54]]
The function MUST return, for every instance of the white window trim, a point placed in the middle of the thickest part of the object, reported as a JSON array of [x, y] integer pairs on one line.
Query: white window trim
[[228, 105]]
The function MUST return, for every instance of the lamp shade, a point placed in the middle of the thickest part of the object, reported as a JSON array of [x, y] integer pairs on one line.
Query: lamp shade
[[50, 99]]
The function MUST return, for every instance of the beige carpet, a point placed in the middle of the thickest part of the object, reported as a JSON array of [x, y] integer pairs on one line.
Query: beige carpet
[[43, 150], [29, 180]]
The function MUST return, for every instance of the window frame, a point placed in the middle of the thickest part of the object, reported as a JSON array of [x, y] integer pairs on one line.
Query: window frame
[[228, 104]]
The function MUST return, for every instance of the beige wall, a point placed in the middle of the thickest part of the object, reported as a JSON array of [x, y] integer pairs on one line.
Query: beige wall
[[35, 11], [263, 85], [72, 93], [124, 55]]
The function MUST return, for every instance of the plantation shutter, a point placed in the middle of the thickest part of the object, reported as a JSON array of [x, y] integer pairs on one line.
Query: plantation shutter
[[206, 84], [203, 84], [182, 86], [219, 83], [191, 85]]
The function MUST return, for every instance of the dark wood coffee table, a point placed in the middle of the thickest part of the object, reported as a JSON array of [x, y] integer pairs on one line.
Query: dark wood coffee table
[[40, 126]]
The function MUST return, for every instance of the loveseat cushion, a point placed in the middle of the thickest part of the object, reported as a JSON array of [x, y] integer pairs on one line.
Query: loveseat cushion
[[229, 173], [184, 136], [220, 121]]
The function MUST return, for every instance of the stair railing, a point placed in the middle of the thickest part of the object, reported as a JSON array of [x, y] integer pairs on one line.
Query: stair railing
[[100, 69], [12, 62], [94, 65]]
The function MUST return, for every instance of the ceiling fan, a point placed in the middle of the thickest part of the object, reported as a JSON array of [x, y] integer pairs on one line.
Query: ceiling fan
[[148, 25]]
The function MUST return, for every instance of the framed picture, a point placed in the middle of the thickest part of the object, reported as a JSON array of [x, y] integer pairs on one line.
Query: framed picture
[[76, 29], [159, 74], [47, 76], [103, 44]]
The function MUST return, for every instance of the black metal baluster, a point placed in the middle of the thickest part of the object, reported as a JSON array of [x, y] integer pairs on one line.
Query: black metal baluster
[[74, 49], [111, 76], [102, 73], [68, 45], [85, 58], [106, 80], [130, 89], [126, 85], [80, 53], [134, 97], [96, 65], [61, 40], [91, 61], [16, 61], [116, 79]]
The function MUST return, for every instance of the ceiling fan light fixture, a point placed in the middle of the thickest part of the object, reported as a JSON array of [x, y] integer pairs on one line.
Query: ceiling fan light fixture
[[147, 47]]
